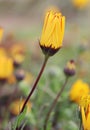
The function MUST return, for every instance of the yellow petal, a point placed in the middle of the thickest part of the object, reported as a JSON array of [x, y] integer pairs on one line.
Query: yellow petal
[[1, 33], [88, 122], [83, 117]]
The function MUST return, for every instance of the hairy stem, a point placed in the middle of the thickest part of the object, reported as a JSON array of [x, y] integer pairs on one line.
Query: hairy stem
[[35, 84], [53, 104]]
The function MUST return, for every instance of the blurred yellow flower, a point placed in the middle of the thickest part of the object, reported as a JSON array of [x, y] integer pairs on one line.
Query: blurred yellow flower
[[85, 112], [80, 3], [11, 79], [1, 33], [16, 106], [6, 67], [79, 88], [2, 51], [53, 32], [18, 53]]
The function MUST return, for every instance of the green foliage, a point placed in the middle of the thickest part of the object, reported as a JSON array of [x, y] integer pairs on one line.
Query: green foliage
[[18, 120]]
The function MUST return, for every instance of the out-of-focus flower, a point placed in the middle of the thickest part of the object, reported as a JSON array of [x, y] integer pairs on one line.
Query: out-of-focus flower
[[80, 3], [70, 68], [11, 79], [6, 67], [2, 51], [85, 111], [16, 106], [18, 53], [1, 33], [53, 32], [79, 88]]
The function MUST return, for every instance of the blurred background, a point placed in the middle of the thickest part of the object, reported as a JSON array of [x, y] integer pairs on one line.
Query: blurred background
[[22, 22]]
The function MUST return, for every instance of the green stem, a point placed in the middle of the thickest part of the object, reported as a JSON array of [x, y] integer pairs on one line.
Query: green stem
[[81, 125], [35, 84], [53, 104]]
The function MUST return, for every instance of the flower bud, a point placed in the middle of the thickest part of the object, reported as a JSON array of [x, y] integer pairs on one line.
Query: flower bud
[[53, 32], [1, 33], [70, 68]]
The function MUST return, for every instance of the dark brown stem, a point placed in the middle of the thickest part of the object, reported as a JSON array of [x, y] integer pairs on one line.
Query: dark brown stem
[[35, 84], [53, 104]]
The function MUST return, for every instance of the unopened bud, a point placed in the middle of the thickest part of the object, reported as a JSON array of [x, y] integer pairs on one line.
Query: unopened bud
[[70, 68]]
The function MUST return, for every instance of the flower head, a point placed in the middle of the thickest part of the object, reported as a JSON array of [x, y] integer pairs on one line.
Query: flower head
[[53, 32], [2, 51], [1, 33], [16, 106], [6, 67], [85, 111], [80, 3], [79, 88], [18, 53], [12, 79]]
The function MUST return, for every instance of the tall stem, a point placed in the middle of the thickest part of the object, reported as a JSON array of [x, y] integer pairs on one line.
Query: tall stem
[[81, 124], [35, 84], [80, 127], [54, 103]]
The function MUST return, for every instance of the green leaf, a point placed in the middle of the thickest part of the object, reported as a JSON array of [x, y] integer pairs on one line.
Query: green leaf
[[19, 120], [49, 126], [31, 117]]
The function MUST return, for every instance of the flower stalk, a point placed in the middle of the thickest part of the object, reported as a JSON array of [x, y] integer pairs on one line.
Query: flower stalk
[[54, 103], [36, 82]]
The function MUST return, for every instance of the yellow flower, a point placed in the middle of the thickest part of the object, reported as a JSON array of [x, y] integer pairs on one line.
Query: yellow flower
[[79, 88], [85, 112], [80, 3], [18, 53], [1, 33], [6, 67], [2, 51], [11, 79], [53, 32], [16, 106]]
